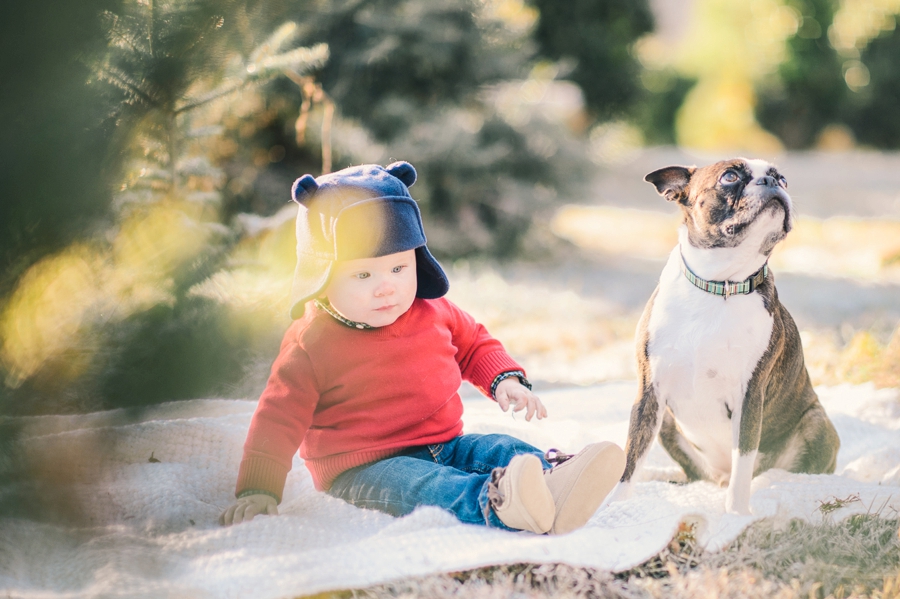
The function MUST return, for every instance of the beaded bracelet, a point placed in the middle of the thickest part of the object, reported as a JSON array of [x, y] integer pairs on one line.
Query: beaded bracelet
[[506, 375]]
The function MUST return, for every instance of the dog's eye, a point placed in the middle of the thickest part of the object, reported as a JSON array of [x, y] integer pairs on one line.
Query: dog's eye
[[729, 177], [782, 181]]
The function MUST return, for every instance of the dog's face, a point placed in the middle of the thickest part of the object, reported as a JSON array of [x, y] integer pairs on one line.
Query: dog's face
[[729, 203]]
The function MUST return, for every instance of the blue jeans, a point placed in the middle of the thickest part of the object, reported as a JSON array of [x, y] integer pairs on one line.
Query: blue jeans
[[452, 475]]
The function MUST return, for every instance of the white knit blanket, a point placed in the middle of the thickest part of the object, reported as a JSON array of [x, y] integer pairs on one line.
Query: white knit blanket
[[146, 528]]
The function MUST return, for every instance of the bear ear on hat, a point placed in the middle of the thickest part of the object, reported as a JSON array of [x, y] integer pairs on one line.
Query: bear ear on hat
[[304, 188], [403, 171]]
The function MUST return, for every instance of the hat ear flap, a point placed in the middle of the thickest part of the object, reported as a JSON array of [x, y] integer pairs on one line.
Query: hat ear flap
[[403, 171], [304, 188]]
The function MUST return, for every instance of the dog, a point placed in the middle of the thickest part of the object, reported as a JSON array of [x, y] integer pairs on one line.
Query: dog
[[722, 380]]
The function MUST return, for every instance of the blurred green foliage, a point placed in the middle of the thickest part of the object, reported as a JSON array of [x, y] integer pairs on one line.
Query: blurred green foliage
[[657, 109], [826, 84], [149, 146], [108, 321], [808, 92], [433, 82], [872, 113], [148, 252], [595, 39], [593, 44], [56, 169]]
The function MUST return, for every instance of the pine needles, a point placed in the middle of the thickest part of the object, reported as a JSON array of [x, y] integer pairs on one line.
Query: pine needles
[[169, 58]]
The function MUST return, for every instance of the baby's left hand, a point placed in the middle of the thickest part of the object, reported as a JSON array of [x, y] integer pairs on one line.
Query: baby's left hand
[[510, 391]]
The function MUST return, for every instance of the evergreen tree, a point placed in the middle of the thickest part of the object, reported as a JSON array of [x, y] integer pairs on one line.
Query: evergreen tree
[[808, 93], [168, 62], [207, 129], [872, 111], [53, 149], [811, 91], [111, 321], [596, 38], [419, 80]]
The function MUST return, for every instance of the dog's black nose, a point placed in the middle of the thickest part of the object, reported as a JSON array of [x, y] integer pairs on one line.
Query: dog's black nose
[[767, 180]]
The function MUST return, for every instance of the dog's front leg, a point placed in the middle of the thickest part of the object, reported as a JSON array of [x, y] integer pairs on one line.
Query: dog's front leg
[[646, 420], [746, 427]]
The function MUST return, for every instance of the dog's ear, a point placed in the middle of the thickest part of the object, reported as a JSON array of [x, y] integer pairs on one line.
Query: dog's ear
[[672, 182]]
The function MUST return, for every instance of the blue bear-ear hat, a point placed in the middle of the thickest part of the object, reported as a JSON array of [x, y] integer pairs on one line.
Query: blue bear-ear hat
[[359, 212]]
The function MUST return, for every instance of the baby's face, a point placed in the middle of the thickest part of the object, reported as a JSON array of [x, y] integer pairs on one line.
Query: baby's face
[[376, 291]]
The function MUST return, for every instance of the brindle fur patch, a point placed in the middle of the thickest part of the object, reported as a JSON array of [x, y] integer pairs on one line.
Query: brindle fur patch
[[781, 416], [643, 424]]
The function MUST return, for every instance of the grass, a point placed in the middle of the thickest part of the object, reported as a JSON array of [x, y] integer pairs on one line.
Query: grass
[[579, 341], [855, 558]]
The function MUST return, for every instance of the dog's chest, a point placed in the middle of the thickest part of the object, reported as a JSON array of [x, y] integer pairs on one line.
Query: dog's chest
[[702, 351]]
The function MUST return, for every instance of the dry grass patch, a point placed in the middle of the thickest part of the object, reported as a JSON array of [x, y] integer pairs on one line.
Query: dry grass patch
[[849, 247], [856, 558], [863, 249], [557, 334], [864, 358], [615, 231]]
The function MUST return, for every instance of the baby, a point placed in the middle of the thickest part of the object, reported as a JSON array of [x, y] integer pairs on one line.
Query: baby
[[366, 383]]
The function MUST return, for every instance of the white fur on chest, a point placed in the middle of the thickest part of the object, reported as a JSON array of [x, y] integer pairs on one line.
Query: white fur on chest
[[703, 350]]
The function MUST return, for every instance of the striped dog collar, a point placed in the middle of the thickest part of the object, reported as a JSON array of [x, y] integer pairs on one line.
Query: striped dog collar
[[726, 288]]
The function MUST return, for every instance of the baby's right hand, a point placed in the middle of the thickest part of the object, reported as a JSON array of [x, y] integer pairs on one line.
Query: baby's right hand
[[247, 507]]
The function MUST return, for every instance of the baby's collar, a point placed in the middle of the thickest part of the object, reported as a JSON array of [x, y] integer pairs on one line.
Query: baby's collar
[[326, 305]]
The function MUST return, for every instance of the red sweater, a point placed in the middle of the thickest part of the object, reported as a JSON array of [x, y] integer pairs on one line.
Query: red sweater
[[347, 397]]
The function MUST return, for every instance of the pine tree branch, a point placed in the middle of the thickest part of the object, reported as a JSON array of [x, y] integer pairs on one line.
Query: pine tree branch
[[284, 34], [223, 90], [152, 21], [299, 59], [116, 33], [125, 83], [213, 23]]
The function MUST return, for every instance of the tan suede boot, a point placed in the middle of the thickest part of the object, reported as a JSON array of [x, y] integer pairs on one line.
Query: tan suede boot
[[520, 497], [580, 483]]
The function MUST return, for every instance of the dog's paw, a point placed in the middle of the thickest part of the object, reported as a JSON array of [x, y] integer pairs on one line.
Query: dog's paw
[[736, 505], [738, 512]]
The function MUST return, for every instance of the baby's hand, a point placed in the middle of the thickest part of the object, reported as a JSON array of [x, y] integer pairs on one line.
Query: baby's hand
[[510, 391], [247, 507]]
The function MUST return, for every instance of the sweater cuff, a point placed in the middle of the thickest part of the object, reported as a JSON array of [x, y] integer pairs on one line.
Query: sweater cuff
[[262, 474], [488, 367]]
